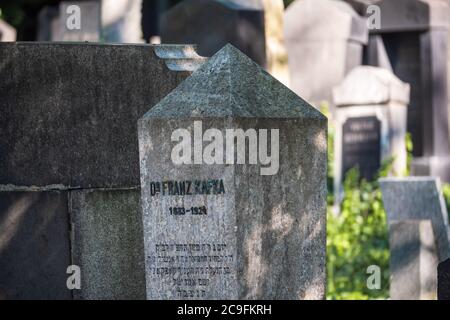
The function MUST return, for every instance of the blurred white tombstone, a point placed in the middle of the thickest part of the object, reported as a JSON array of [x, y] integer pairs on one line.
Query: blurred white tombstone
[[371, 107]]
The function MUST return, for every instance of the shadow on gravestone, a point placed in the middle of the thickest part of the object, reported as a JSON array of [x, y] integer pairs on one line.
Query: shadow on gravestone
[[233, 231], [69, 163], [444, 280]]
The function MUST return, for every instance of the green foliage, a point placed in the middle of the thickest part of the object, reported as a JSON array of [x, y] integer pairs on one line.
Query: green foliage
[[356, 239], [446, 191], [409, 155]]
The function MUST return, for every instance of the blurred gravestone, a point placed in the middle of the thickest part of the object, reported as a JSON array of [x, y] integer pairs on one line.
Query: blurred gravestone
[[370, 119], [7, 32], [325, 40], [69, 152], [48, 23], [211, 24], [78, 21], [121, 21], [416, 249], [221, 231], [413, 260], [444, 280], [413, 35]]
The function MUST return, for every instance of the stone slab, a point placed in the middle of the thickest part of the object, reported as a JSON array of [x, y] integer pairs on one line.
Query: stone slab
[[69, 110], [107, 243], [413, 260], [34, 245]]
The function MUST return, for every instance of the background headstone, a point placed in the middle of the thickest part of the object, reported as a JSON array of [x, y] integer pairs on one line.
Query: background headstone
[[48, 23], [416, 249], [121, 21], [414, 36], [418, 198], [7, 32], [325, 40], [370, 121], [90, 22], [444, 280], [69, 124], [211, 24], [263, 237], [413, 260]]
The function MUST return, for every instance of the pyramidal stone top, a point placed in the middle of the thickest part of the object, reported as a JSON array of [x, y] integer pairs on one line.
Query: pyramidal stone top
[[230, 84]]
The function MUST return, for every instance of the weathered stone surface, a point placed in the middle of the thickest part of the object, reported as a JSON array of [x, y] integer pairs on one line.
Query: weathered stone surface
[[90, 22], [107, 243], [34, 245], [370, 120], [264, 235], [418, 198], [7, 32], [69, 111], [413, 260], [444, 280], [211, 24], [324, 39]]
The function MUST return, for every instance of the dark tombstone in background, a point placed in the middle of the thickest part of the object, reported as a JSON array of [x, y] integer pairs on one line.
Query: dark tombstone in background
[[211, 24], [412, 42], [444, 280], [361, 145]]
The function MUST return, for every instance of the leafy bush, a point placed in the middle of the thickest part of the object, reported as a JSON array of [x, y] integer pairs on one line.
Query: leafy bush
[[356, 239]]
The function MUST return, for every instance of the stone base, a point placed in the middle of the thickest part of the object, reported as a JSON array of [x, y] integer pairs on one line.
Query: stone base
[[432, 166], [42, 232]]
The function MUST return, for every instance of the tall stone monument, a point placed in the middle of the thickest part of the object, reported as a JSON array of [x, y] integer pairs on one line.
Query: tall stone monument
[[370, 119], [69, 164], [325, 40], [413, 35], [418, 234], [233, 222]]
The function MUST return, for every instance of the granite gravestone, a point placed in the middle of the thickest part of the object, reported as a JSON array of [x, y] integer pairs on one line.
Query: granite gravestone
[[413, 35], [325, 40], [69, 152], [7, 32], [213, 230], [370, 119], [88, 28], [444, 280], [410, 202], [211, 24]]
